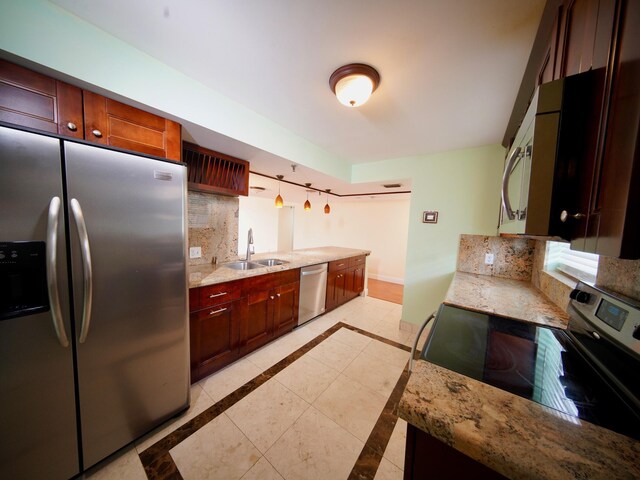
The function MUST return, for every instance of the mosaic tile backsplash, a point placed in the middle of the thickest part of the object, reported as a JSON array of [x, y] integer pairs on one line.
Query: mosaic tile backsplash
[[513, 257], [213, 226]]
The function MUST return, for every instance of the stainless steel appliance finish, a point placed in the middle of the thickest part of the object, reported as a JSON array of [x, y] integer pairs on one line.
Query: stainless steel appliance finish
[[125, 318], [313, 292]]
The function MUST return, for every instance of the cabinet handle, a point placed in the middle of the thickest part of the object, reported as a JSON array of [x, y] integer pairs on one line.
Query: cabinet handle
[[564, 216], [272, 297], [278, 295], [341, 265], [217, 294], [97, 133], [213, 312], [72, 126]]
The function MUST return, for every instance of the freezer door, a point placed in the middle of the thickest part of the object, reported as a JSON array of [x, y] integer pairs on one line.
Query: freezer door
[[38, 436], [127, 231]]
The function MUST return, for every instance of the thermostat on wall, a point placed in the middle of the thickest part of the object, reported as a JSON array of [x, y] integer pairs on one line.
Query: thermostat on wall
[[429, 217]]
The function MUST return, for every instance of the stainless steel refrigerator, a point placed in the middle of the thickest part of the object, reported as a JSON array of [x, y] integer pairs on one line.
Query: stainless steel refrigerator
[[94, 340]]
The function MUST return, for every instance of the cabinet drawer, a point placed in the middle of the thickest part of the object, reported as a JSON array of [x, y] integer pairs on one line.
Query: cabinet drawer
[[212, 295], [360, 260], [268, 281], [338, 264]]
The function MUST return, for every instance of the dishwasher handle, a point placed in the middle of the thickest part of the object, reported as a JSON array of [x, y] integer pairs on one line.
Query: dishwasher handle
[[313, 272]]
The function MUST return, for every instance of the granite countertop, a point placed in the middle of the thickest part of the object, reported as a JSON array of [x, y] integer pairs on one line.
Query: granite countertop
[[504, 297], [202, 275], [514, 436]]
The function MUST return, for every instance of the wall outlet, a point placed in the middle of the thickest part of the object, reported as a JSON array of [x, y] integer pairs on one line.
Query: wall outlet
[[195, 252], [488, 259]]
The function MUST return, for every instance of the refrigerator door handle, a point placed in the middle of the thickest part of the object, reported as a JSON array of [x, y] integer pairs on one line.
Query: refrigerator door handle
[[52, 273], [86, 267]]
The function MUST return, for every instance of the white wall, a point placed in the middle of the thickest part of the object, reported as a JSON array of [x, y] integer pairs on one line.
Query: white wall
[[262, 216], [377, 225]]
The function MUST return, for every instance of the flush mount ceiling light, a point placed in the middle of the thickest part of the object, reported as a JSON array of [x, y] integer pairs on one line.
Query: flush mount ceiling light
[[307, 204], [327, 208], [353, 84], [279, 201]]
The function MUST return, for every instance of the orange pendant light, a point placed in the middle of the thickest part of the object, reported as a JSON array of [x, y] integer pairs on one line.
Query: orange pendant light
[[279, 201], [307, 204], [327, 208]]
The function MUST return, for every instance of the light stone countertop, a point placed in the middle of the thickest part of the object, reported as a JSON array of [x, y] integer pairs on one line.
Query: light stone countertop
[[504, 297], [202, 275], [512, 435]]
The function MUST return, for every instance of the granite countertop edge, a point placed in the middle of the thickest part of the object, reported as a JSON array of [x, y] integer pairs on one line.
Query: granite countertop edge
[[206, 274], [494, 427]]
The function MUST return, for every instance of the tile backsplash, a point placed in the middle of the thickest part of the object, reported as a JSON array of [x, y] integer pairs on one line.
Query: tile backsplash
[[213, 226], [512, 257]]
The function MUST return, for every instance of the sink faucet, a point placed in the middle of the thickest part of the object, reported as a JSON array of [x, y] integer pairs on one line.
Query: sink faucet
[[250, 244]]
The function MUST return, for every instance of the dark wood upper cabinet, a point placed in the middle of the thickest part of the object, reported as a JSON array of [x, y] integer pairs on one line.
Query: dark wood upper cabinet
[[215, 172], [33, 100], [598, 171], [112, 123], [577, 37], [37, 101], [613, 223]]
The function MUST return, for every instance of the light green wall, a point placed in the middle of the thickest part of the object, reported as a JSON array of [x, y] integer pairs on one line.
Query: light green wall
[[48, 35], [464, 187]]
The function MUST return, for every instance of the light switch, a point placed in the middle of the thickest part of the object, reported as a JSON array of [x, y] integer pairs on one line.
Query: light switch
[[488, 259], [195, 252]]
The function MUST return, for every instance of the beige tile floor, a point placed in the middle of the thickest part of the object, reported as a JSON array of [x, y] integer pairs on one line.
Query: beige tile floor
[[310, 421]]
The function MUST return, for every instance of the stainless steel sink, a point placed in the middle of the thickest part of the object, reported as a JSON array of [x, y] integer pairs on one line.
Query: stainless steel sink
[[242, 265], [270, 262]]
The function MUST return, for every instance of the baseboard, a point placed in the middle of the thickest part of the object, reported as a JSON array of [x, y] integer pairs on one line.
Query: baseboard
[[386, 278], [409, 327]]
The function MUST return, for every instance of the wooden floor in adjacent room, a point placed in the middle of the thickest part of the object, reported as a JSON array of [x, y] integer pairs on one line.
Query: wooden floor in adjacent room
[[391, 292]]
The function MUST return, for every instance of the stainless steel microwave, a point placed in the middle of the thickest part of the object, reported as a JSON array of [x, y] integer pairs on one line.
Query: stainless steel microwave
[[548, 175]]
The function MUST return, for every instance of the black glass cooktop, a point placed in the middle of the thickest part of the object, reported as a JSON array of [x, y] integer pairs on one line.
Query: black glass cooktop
[[538, 363]]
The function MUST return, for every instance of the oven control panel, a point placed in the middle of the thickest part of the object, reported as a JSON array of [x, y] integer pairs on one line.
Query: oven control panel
[[605, 313]]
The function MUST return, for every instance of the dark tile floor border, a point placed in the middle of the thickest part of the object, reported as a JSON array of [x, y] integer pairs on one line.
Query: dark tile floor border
[[159, 465]]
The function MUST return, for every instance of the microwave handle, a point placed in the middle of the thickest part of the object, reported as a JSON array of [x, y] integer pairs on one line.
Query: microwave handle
[[511, 215]]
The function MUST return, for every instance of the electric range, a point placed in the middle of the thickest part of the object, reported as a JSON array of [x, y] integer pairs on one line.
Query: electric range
[[590, 371]]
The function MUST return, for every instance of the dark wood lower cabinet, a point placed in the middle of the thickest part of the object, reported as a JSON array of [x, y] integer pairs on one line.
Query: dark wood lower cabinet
[[345, 281], [427, 457], [214, 338], [230, 320], [256, 322]]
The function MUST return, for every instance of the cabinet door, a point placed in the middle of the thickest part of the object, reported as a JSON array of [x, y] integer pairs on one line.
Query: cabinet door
[[341, 283], [358, 280], [286, 308], [332, 300], [578, 33], [113, 123], [36, 101], [547, 68], [349, 286], [613, 227], [214, 339], [256, 324]]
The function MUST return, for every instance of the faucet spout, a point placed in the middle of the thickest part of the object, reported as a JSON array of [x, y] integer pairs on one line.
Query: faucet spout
[[249, 244]]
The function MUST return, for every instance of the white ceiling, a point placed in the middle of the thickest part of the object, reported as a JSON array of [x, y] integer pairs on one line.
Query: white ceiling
[[450, 69]]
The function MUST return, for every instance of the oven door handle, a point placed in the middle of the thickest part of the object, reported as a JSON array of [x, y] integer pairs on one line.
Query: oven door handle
[[506, 203], [415, 341], [52, 271]]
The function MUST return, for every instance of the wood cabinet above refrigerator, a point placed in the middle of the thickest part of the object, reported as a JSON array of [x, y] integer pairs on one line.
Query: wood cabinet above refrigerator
[[34, 100]]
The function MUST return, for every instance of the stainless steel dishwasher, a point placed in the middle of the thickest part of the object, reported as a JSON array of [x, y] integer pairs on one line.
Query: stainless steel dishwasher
[[313, 289]]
